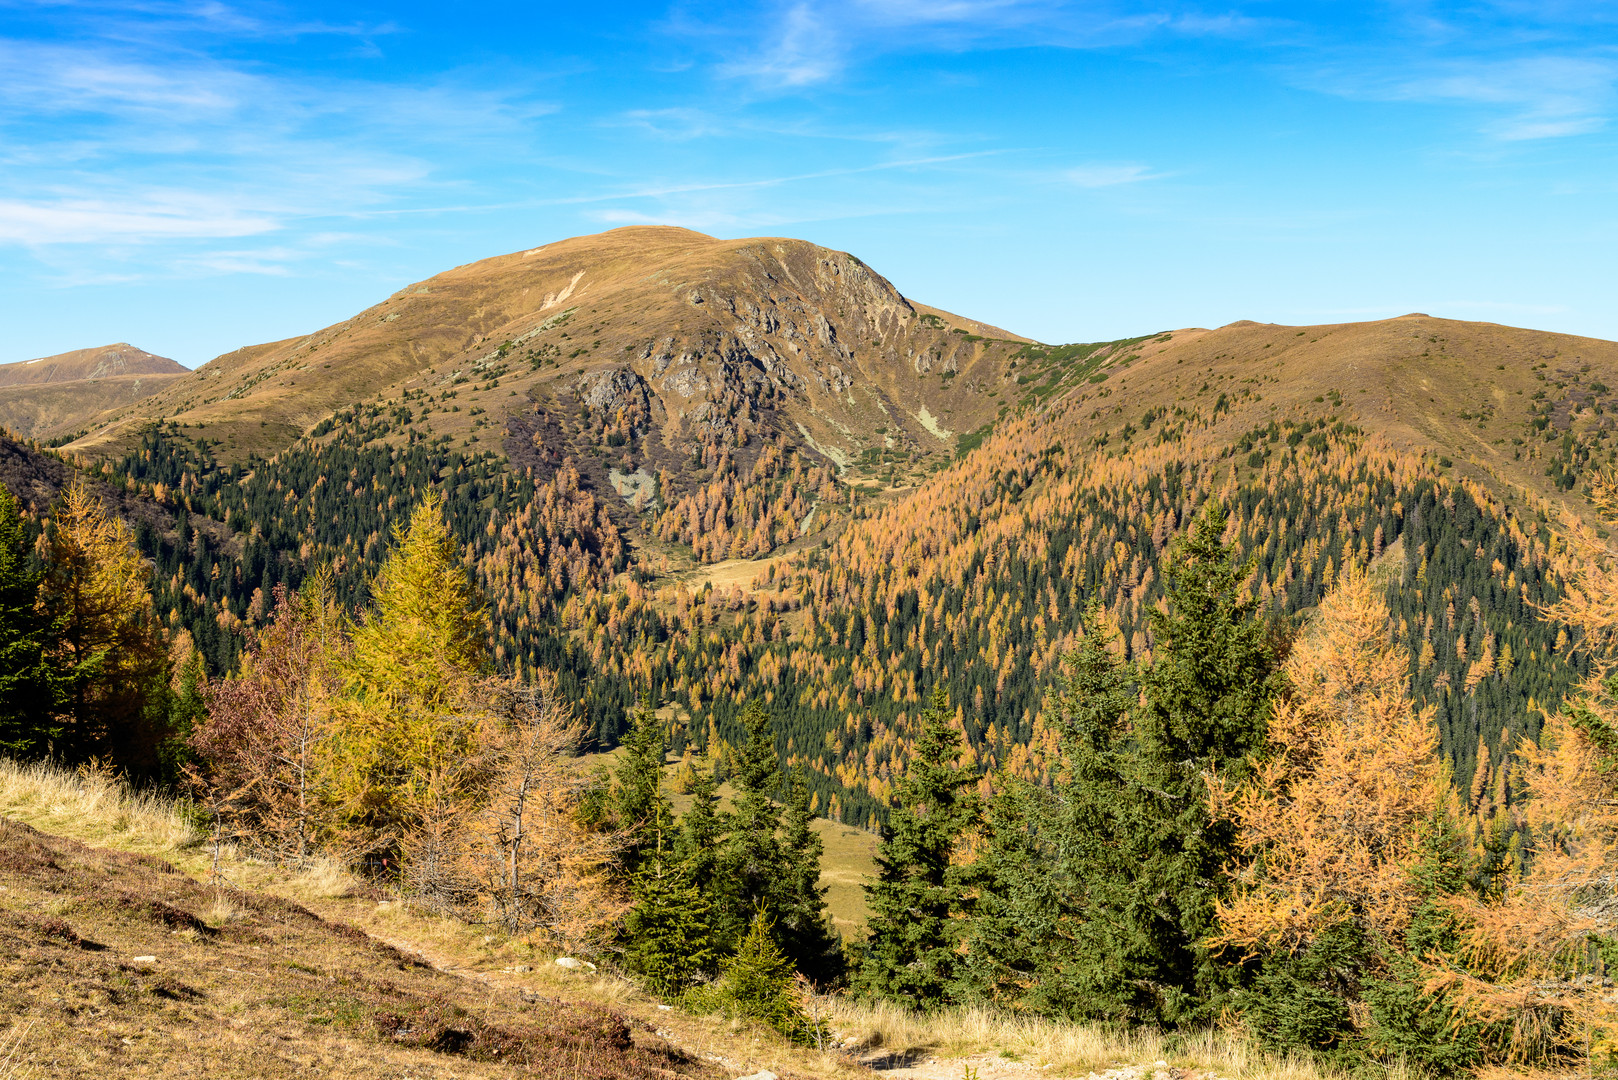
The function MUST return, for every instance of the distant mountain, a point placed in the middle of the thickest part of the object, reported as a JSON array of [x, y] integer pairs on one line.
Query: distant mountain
[[1512, 408], [102, 362], [56, 395], [695, 340]]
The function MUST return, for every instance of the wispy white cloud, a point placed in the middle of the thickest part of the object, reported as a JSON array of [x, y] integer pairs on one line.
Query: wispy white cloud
[[1100, 176], [675, 124], [1541, 96], [806, 43], [155, 216], [160, 146], [1526, 67], [55, 79], [700, 219], [158, 22], [1527, 71], [802, 47], [271, 260]]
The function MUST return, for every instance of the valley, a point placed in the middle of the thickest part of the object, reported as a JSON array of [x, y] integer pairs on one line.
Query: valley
[[609, 415]]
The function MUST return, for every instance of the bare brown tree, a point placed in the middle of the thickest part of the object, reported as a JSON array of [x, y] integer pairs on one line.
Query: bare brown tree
[[518, 855], [260, 745]]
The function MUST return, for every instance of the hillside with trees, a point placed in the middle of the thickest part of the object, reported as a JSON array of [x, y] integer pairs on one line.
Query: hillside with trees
[[1197, 676]]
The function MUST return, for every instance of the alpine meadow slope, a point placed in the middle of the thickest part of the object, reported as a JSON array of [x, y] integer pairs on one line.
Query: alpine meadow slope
[[693, 338], [52, 397]]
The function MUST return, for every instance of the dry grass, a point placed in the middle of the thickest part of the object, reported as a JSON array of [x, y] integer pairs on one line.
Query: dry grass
[[1064, 1049], [11, 1066], [99, 810], [123, 967], [93, 807]]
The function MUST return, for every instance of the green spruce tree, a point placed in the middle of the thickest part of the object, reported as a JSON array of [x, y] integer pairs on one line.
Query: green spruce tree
[[698, 847], [1206, 703], [1053, 855], [27, 691], [1018, 900], [758, 984], [913, 954], [1432, 1031], [666, 932], [803, 926], [752, 861], [186, 708], [638, 802]]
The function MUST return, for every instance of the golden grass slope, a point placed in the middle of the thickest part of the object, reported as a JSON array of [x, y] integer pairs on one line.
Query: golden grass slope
[[1467, 391], [102, 362], [56, 395], [822, 349], [52, 409]]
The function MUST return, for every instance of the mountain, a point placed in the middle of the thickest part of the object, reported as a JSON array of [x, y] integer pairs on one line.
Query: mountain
[[1512, 408], [605, 415], [104, 362], [54, 395], [694, 339]]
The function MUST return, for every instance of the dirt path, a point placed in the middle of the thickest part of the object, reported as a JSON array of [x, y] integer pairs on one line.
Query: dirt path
[[994, 1067], [876, 1064]]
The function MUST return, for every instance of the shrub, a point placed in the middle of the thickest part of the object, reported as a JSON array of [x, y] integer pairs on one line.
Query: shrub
[[757, 984]]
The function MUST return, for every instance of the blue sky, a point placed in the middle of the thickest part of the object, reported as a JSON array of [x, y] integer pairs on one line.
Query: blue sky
[[192, 177]]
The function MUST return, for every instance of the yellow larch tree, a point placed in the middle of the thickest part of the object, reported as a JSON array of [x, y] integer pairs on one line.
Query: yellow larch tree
[[107, 649], [402, 748], [1540, 959], [1331, 824]]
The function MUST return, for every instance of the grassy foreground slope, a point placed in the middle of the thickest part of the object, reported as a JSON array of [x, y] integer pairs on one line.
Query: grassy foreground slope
[[263, 972], [126, 967]]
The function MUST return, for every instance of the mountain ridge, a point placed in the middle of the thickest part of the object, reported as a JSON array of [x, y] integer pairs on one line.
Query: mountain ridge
[[53, 396], [705, 331], [98, 362]]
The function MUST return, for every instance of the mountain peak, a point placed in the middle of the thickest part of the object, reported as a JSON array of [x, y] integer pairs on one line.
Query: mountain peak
[[100, 362]]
